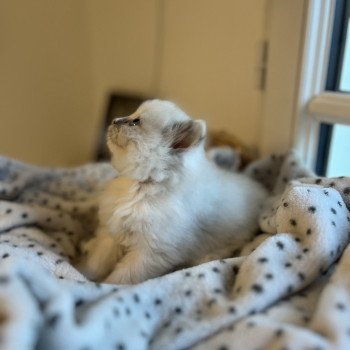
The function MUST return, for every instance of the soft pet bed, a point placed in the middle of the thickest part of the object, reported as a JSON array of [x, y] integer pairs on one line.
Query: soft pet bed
[[287, 289]]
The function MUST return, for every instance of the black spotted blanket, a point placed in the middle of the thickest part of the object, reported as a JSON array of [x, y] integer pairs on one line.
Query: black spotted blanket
[[288, 289]]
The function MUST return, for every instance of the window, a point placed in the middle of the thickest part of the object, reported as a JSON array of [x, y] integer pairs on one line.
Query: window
[[335, 139], [338, 164], [344, 81], [323, 103], [299, 104]]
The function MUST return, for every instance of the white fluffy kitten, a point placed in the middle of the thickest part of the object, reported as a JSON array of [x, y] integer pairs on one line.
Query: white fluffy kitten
[[170, 205]]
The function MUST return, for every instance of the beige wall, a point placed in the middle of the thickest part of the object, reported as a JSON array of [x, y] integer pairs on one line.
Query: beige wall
[[203, 54], [210, 59], [285, 30], [60, 60], [45, 87], [122, 41]]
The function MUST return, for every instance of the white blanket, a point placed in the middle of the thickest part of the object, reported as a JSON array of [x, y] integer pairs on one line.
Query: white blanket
[[288, 289]]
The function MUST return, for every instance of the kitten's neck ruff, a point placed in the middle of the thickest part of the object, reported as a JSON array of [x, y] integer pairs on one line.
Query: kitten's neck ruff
[[157, 187], [190, 163], [170, 172]]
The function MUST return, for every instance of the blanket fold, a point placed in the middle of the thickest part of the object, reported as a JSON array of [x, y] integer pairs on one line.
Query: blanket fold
[[289, 288]]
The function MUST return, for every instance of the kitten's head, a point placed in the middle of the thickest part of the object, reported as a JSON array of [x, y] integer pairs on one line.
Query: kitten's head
[[152, 142]]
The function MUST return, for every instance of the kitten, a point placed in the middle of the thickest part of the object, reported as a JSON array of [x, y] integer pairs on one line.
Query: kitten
[[170, 205]]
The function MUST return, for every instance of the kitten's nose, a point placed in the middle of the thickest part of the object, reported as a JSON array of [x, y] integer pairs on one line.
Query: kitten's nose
[[120, 121]]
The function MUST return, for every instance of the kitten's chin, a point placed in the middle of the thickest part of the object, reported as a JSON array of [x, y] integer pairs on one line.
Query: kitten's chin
[[116, 138]]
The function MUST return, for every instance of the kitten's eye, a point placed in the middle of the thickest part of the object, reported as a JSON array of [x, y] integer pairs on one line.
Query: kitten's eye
[[134, 122]]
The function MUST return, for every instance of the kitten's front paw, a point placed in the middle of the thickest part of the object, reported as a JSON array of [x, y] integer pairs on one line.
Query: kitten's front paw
[[128, 273], [137, 266], [120, 276], [101, 254], [89, 267]]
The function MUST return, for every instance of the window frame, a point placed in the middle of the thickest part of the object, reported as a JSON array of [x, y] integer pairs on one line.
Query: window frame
[[335, 65], [314, 67], [309, 102]]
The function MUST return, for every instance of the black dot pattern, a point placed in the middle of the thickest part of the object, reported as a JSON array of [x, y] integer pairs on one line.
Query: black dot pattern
[[305, 227]]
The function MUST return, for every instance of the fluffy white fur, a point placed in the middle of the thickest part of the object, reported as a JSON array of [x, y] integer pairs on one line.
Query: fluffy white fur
[[171, 205]]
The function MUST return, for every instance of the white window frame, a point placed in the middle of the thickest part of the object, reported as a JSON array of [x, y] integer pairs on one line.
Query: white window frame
[[330, 107], [308, 104], [314, 65]]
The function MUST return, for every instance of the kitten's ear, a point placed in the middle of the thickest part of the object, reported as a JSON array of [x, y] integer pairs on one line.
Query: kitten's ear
[[187, 134]]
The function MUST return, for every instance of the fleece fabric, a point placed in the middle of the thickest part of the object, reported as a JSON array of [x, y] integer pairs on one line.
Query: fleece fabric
[[289, 288]]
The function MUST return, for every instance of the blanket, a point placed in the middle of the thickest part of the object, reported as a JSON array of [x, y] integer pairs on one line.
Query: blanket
[[286, 289]]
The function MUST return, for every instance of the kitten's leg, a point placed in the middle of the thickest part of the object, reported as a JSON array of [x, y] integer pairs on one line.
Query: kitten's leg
[[137, 266], [223, 253], [102, 253]]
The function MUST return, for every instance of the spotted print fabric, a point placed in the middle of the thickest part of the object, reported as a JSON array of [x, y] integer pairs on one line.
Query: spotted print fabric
[[289, 288]]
